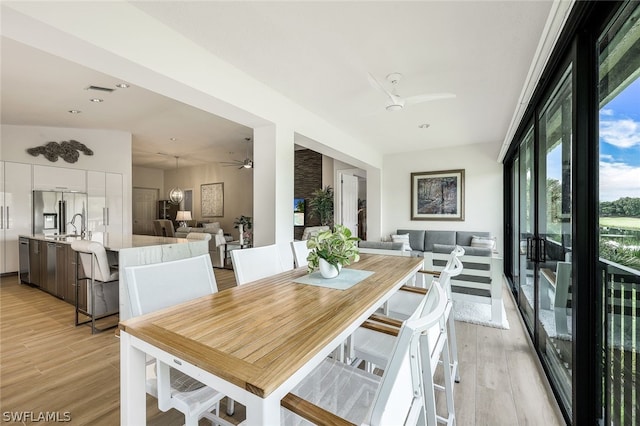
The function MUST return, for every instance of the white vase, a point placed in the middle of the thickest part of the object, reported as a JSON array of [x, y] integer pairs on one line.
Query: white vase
[[328, 270], [241, 232]]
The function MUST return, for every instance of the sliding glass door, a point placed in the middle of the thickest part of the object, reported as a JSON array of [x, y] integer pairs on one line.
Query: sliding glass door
[[619, 215], [525, 183], [573, 203], [554, 237]]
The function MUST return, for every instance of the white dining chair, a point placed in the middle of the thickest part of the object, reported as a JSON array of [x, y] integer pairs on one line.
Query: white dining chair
[[335, 392], [251, 264], [163, 228], [300, 253], [101, 278], [562, 297], [160, 285], [372, 345]]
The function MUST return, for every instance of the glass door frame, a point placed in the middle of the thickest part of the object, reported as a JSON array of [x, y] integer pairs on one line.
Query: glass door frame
[[576, 45]]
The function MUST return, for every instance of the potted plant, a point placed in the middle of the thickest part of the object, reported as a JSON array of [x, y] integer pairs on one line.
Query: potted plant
[[243, 224], [330, 250], [321, 205]]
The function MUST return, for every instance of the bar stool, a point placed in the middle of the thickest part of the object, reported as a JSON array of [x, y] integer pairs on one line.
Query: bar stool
[[96, 268]]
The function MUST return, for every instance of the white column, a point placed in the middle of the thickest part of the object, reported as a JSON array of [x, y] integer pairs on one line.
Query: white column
[[273, 185]]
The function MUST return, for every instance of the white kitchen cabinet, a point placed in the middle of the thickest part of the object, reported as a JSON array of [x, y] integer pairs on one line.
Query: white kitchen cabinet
[[16, 212], [105, 202], [97, 201], [114, 213], [59, 179]]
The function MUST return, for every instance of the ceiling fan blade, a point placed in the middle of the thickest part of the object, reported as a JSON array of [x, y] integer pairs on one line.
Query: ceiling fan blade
[[378, 86], [412, 100]]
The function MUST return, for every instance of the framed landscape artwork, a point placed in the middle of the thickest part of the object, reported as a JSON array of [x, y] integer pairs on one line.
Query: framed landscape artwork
[[212, 198], [437, 195]]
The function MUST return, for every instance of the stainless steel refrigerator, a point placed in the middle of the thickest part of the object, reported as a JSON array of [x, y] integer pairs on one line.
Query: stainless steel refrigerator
[[59, 213]]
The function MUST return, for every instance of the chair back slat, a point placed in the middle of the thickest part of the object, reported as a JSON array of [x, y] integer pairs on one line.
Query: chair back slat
[[160, 285], [251, 264], [300, 253]]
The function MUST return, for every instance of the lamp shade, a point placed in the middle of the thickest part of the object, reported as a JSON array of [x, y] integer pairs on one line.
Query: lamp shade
[[183, 215]]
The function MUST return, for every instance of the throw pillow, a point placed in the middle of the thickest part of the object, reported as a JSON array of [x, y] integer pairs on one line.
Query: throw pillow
[[485, 242], [404, 239]]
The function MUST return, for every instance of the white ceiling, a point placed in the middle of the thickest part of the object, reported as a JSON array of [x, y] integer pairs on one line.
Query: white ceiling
[[33, 97], [316, 53]]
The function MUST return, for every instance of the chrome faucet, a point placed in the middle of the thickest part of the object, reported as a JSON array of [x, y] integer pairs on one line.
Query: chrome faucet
[[82, 227]]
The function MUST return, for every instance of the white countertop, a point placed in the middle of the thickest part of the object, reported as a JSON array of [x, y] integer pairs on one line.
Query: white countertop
[[114, 242]]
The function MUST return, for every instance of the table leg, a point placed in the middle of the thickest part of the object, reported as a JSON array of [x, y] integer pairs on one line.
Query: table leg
[[133, 403], [263, 411]]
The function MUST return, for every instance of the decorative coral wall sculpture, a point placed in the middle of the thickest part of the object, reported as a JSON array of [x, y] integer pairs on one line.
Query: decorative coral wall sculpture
[[68, 150]]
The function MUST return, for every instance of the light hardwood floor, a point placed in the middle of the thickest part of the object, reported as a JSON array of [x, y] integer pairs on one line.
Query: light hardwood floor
[[49, 365]]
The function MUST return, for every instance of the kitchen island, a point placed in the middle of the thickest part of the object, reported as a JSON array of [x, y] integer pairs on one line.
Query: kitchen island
[[50, 263]]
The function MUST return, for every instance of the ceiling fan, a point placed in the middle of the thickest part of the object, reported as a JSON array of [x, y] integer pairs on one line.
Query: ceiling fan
[[397, 102], [247, 163]]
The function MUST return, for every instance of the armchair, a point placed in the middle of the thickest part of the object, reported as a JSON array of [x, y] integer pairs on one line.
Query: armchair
[[163, 228]]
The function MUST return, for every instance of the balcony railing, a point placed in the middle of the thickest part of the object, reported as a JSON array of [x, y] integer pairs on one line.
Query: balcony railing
[[620, 343]]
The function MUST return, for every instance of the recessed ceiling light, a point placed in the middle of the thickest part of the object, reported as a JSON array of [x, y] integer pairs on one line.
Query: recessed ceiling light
[[173, 139], [424, 126], [74, 111], [96, 100], [122, 85]]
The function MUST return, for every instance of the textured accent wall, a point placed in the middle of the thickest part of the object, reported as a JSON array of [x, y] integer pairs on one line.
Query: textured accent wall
[[307, 178]]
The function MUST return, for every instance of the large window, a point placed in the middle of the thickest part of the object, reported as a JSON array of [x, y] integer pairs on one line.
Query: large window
[[619, 215], [574, 227], [554, 259]]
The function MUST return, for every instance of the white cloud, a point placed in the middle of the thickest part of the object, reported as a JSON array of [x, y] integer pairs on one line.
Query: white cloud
[[606, 157], [621, 133], [606, 111], [618, 180]]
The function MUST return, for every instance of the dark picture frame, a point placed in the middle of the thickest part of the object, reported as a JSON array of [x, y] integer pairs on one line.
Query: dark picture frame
[[212, 199], [437, 195]]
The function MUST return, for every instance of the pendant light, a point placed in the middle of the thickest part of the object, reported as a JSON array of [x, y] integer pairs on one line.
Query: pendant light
[[176, 195]]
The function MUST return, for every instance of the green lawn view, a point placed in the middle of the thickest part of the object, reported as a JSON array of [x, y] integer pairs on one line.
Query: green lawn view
[[632, 223]]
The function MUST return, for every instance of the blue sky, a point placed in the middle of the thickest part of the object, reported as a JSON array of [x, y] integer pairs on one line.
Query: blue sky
[[620, 145]]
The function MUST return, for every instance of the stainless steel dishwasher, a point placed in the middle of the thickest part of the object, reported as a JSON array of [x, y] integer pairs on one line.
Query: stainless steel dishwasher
[[49, 280], [23, 254]]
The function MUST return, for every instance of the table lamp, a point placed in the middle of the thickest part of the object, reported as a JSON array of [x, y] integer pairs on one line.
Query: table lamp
[[182, 216]]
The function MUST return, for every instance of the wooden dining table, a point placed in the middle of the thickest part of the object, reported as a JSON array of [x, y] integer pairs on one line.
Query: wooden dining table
[[254, 342]]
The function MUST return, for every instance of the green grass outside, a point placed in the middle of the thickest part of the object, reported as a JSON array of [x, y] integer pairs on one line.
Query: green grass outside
[[631, 223]]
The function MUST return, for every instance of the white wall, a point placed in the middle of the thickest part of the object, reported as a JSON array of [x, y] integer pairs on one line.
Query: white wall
[[483, 189], [238, 190], [111, 153], [146, 177], [112, 45], [327, 171]]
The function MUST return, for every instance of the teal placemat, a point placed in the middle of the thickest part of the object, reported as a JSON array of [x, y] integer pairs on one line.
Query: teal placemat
[[347, 279]]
